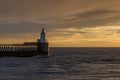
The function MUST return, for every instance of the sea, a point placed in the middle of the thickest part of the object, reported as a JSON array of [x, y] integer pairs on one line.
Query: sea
[[64, 64]]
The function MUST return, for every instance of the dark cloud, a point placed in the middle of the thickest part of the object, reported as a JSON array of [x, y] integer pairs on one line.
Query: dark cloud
[[22, 27], [95, 14], [94, 18]]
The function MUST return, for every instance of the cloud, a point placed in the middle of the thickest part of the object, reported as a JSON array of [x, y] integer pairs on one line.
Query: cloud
[[29, 9], [94, 18], [97, 14], [21, 27], [62, 18]]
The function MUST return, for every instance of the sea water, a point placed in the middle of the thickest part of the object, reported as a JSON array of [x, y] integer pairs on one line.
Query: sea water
[[64, 64]]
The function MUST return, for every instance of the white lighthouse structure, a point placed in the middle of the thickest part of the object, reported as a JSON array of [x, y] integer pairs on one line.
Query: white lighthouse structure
[[42, 37]]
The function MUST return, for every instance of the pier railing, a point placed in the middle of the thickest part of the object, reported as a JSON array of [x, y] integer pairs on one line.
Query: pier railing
[[18, 47]]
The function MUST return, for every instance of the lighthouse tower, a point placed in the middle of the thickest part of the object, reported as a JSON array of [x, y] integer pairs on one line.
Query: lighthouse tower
[[42, 37], [43, 44]]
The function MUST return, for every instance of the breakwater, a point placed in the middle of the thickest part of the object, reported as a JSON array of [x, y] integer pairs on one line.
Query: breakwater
[[40, 47]]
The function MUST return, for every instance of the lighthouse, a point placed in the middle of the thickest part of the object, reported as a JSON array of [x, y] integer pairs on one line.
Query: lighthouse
[[42, 37], [43, 44]]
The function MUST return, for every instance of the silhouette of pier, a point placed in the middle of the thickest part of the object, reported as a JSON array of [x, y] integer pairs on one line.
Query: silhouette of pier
[[40, 47]]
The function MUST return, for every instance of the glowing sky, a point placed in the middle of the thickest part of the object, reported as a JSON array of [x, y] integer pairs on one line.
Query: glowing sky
[[68, 23]]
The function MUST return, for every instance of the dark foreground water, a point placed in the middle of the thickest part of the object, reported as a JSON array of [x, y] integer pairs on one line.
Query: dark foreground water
[[64, 64]]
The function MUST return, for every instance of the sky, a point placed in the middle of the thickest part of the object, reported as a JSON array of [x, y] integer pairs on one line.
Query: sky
[[68, 23]]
